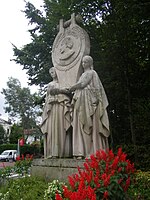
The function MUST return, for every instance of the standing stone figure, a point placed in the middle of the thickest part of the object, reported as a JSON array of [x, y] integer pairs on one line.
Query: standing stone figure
[[90, 119], [56, 120]]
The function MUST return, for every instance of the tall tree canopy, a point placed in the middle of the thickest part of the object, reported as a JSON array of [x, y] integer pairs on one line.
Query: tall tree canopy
[[20, 103], [120, 36]]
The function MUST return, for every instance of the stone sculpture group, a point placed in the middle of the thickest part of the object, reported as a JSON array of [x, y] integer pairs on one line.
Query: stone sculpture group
[[74, 120]]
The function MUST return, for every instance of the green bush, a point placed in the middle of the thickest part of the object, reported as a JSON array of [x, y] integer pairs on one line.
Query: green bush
[[105, 175], [38, 189], [53, 187], [141, 187], [24, 188], [4, 147], [142, 158], [21, 168], [4, 174], [29, 149]]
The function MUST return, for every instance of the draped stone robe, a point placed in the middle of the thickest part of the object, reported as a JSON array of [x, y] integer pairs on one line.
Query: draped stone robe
[[90, 119], [55, 123]]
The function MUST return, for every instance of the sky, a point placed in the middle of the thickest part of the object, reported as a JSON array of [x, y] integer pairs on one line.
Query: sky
[[13, 29]]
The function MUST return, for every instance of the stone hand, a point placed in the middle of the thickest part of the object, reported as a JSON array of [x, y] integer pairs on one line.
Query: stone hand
[[65, 90]]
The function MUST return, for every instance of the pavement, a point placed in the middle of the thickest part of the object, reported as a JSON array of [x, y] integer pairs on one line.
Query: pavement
[[6, 164]]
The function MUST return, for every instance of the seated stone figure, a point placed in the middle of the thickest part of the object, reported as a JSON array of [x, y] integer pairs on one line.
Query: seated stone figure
[[90, 119], [56, 120]]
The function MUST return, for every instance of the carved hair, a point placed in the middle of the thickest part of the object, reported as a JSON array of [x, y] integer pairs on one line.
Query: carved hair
[[89, 59]]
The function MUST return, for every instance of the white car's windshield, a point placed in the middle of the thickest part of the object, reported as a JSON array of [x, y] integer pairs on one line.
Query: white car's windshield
[[5, 153]]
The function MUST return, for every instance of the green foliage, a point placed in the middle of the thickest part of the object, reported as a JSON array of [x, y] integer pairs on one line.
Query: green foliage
[[5, 172], [21, 168], [29, 149], [2, 134], [141, 187], [35, 188], [119, 33], [23, 164], [142, 159], [40, 148], [53, 187], [35, 57], [24, 188], [105, 176], [15, 134], [4, 147], [20, 103]]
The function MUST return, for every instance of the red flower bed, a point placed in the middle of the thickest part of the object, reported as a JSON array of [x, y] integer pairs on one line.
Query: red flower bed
[[105, 175]]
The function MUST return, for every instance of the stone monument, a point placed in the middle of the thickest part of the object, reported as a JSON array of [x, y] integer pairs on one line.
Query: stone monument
[[69, 47], [74, 122]]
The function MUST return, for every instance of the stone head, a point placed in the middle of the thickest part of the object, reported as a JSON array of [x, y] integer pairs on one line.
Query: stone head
[[87, 62], [52, 72]]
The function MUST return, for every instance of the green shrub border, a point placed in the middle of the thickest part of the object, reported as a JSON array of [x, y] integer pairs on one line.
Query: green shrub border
[[142, 161]]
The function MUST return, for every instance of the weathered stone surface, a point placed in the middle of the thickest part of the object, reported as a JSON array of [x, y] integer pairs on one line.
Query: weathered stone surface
[[56, 121], [90, 121], [59, 169], [70, 45], [74, 121]]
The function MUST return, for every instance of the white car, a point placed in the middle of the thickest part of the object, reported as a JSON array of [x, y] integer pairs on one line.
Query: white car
[[8, 155]]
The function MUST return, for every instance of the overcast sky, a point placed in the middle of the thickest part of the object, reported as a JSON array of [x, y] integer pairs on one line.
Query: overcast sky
[[13, 29]]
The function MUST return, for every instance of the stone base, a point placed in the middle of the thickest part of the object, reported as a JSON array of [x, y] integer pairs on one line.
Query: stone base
[[58, 169]]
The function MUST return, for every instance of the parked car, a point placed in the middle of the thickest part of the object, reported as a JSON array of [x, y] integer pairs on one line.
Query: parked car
[[8, 155]]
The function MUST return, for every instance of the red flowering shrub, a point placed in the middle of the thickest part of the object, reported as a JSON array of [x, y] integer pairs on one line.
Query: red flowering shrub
[[105, 176], [23, 163]]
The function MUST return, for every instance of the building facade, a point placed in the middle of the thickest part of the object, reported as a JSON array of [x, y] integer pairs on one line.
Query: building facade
[[7, 127]]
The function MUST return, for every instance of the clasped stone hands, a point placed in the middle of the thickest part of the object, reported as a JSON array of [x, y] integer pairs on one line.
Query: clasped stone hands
[[72, 88], [68, 90]]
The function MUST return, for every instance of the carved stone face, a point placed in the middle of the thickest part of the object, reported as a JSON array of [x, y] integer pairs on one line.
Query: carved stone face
[[53, 73], [86, 63]]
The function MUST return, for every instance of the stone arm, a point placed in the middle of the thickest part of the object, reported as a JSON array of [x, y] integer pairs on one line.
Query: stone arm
[[83, 81], [76, 86], [56, 91]]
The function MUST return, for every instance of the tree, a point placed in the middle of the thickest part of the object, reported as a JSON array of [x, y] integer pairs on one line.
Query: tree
[[20, 103], [15, 134], [119, 33], [125, 40]]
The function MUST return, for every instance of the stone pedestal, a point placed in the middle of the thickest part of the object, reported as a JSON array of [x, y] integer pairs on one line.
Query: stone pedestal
[[58, 169]]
